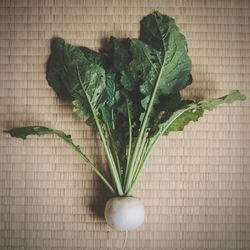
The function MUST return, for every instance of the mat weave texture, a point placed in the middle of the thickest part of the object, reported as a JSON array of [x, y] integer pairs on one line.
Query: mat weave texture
[[196, 185]]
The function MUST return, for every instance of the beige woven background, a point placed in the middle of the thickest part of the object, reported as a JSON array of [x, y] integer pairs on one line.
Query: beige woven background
[[196, 186]]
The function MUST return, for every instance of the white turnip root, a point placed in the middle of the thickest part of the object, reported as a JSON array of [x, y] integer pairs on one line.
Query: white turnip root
[[124, 213]]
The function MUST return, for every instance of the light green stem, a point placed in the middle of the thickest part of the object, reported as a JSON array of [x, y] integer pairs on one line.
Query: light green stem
[[93, 167], [129, 146], [153, 143], [140, 160], [142, 133], [136, 165], [112, 142], [144, 158], [112, 165]]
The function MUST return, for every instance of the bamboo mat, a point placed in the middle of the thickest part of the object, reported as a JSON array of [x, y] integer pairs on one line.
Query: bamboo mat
[[196, 186]]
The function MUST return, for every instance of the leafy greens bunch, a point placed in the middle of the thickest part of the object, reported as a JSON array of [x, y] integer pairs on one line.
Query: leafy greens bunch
[[129, 93]]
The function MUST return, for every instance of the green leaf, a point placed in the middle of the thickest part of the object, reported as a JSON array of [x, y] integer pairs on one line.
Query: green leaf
[[88, 86], [93, 56], [117, 53], [160, 64], [181, 119], [193, 112], [161, 32], [77, 71], [65, 57], [210, 104], [23, 132], [55, 73]]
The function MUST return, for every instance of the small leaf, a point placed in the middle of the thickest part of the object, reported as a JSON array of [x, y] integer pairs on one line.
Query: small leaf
[[211, 104], [23, 132], [182, 117]]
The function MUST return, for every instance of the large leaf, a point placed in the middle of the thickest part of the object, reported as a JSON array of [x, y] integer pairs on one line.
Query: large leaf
[[56, 74], [160, 66], [77, 73]]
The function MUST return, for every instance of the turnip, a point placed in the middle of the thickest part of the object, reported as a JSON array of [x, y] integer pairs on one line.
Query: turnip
[[130, 94], [124, 213]]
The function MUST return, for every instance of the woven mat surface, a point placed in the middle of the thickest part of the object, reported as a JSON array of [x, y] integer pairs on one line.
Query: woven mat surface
[[196, 185]]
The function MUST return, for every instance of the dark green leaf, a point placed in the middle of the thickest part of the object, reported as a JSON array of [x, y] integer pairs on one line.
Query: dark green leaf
[[56, 74], [160, 65], [93, 56], [80, 74], [118, 53]]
